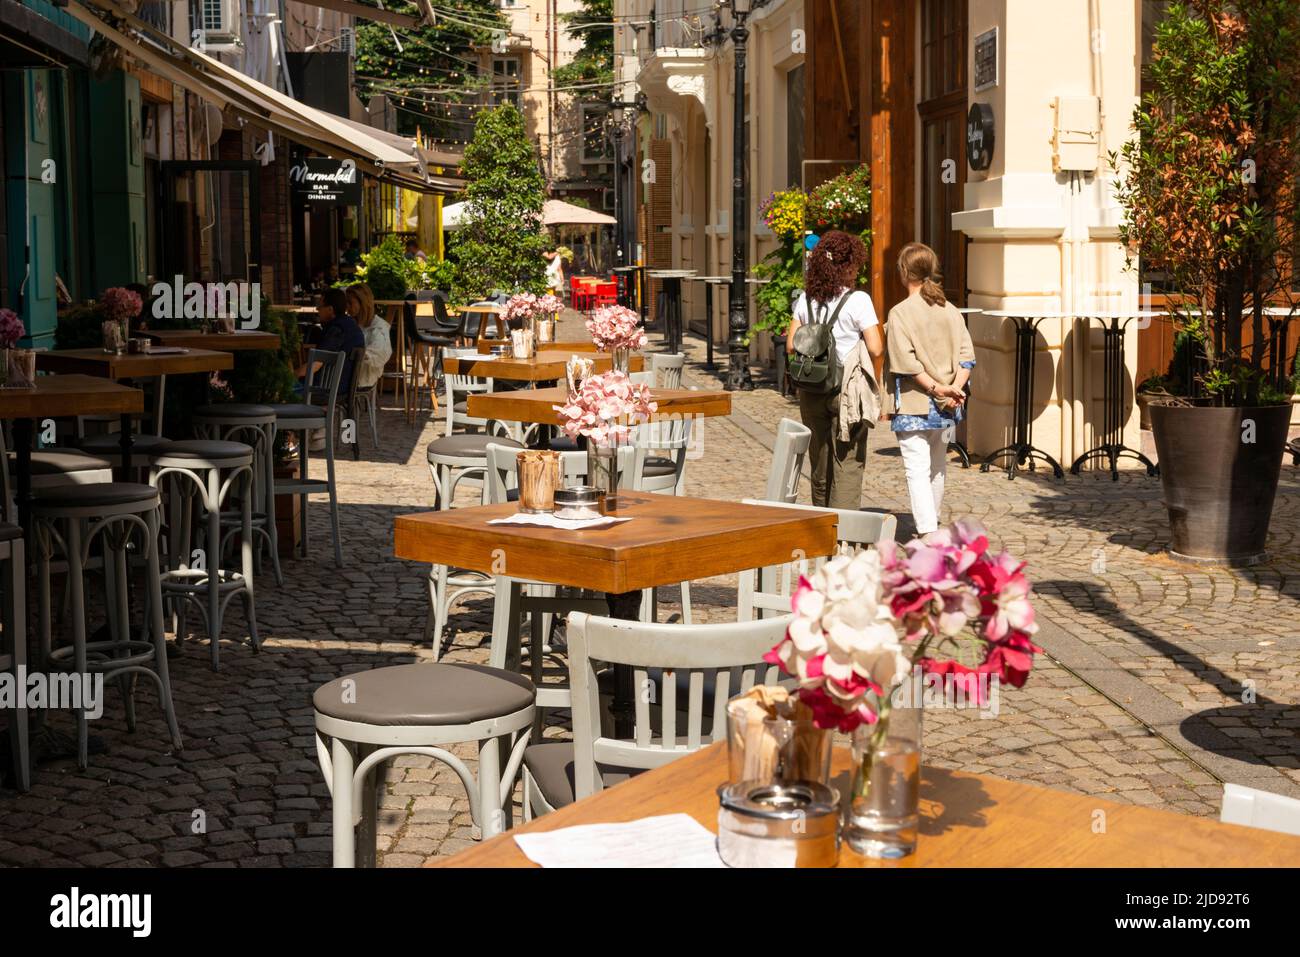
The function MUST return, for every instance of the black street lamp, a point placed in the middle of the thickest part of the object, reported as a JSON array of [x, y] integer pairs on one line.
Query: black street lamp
[[738, 376]]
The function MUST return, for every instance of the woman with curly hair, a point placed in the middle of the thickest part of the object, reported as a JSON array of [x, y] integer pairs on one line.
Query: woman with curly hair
[[930, 358], [838, 452]]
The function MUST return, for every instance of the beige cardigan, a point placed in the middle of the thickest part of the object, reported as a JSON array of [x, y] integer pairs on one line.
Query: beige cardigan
[[924, 338]]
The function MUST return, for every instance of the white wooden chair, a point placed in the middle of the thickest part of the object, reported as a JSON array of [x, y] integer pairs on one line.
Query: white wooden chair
[[764, 591], [788, 454], [455, 388], [662, 447], [667, 369], [1254, 808], [671, 659]]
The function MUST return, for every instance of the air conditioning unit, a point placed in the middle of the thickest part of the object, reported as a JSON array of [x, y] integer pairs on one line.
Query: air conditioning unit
[[220, 24]]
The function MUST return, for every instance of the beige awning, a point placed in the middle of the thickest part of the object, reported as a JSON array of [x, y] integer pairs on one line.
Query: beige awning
[[375, 151]]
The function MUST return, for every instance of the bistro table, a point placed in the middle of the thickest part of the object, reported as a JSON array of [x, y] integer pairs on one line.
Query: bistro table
[[709, 283], [632, 300], [574, 345], [670, 539], [548, 365], [482, 309], [56, 396], [1021, 451], [241, 340], [157, 364], [967, 820], [672, 290], [1112, 447], [957, 445], [538, 405]]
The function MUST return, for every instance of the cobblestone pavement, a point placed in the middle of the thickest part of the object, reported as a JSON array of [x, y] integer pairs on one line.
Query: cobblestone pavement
[[1161, 680]]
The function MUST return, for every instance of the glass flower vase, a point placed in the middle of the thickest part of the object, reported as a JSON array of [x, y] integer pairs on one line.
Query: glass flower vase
[[602, 472], [620, 359], [18, 369], [883, 817]]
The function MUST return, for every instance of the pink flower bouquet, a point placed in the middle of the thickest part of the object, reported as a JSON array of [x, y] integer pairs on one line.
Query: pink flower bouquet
[[11, 329], [520, 308], [548, 306], [616, 327], [861, 623], [606, 408], [120, 305]]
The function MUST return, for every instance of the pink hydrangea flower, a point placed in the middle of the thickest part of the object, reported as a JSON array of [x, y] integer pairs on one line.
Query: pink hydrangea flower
[[606, 408], [119, 305], [11, 329], [616, 327]]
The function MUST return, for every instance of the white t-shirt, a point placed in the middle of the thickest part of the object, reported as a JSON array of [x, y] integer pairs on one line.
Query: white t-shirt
[[857, 316]]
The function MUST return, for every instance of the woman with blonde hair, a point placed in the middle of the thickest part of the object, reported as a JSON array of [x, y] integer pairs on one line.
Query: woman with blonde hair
[[929, 359], [379, 345]]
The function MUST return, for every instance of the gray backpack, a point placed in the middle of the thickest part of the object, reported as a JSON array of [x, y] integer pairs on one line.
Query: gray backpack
[[812, 363]]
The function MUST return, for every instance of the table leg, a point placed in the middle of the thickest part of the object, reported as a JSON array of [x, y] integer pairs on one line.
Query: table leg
[[626, 606], [23, 476], [708, 325], [127, 441]]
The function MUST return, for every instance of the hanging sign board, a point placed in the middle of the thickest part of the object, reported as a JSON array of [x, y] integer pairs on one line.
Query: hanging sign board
[[326, 182]]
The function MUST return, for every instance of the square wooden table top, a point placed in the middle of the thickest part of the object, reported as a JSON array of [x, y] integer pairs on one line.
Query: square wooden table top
[[967, 820], [546, 366], [670, 539], [237, 341], [133, 365], [570, 346], [60, 395], [538, 405]]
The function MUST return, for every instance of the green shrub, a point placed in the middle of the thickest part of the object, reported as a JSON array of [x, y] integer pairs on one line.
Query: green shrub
[[385, 269]]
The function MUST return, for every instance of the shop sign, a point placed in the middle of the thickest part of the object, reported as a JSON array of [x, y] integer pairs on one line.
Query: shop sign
[[327, 182]]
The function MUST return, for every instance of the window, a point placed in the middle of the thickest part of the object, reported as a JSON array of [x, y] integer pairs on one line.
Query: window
[[794, 127], [596, 146], [943, 49], [506, 85]]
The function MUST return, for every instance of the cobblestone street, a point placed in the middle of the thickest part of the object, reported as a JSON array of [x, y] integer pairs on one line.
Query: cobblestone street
[[1161, 680]]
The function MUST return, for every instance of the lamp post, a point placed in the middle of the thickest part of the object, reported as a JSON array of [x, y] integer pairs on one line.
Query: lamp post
[[738, 376]]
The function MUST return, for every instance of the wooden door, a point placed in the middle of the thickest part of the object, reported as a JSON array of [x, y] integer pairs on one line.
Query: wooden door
[[942, 107]]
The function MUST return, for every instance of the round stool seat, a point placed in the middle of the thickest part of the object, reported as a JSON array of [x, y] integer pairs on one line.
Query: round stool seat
[[424, 694], [111, 444], [210, 450], [286, 412], [63, 461], [463, 445], [94, 498], [234, 410]]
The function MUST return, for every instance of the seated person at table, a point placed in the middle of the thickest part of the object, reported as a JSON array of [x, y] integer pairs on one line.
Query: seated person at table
[[339, 333], [379, 347]]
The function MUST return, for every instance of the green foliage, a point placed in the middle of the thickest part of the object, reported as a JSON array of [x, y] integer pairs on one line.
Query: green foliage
[[843, 202], [500, 241], [594, 61], [386, 270], [1207, 184], [78, 328], [436, 68], [260, 375]]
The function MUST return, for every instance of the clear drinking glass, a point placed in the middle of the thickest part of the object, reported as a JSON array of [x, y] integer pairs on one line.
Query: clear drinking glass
[[884, 815]]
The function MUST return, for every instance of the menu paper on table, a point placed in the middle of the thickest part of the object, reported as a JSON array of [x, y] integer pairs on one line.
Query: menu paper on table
[[547, 520], [669, 840]]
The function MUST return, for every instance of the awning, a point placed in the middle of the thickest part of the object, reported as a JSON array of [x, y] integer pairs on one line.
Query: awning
[[375, 152], [557, 212]]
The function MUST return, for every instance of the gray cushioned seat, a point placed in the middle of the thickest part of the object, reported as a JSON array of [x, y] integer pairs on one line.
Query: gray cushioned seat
[[63, 461], [551, 765], [298, 410], [9, 532], [234, 410], [461, 407], [468, 444], [655, 466], [563, 443], [207, 449], [425, 694], [94, 494], [111, 444]]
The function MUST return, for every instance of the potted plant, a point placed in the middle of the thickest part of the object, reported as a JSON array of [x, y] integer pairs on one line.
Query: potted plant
[[1208, 192]]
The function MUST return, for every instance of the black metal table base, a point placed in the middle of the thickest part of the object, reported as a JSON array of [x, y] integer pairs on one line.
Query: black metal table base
[[1021, 456], [626, 606], [1112, 453], [962, 453], [1021, 452]]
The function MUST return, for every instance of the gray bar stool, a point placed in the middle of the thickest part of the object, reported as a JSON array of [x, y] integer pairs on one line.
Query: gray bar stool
[[254, 425], [364, 719], [208, 470], [305, 418], [108, 447], [13, 645], [66, 521]]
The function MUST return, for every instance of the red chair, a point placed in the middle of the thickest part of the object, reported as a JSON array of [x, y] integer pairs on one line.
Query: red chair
[[605, 294], [577, 293]]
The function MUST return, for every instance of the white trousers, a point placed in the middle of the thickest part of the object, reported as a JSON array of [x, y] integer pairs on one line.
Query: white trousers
[[925, 460]]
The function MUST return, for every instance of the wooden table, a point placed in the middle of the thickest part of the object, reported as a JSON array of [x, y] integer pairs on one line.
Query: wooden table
[[239, 341], [967, 820], [133, 365], [482, 309], [55, 396], [538, 405], [546, 366], [575, 345], [670, 539]]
